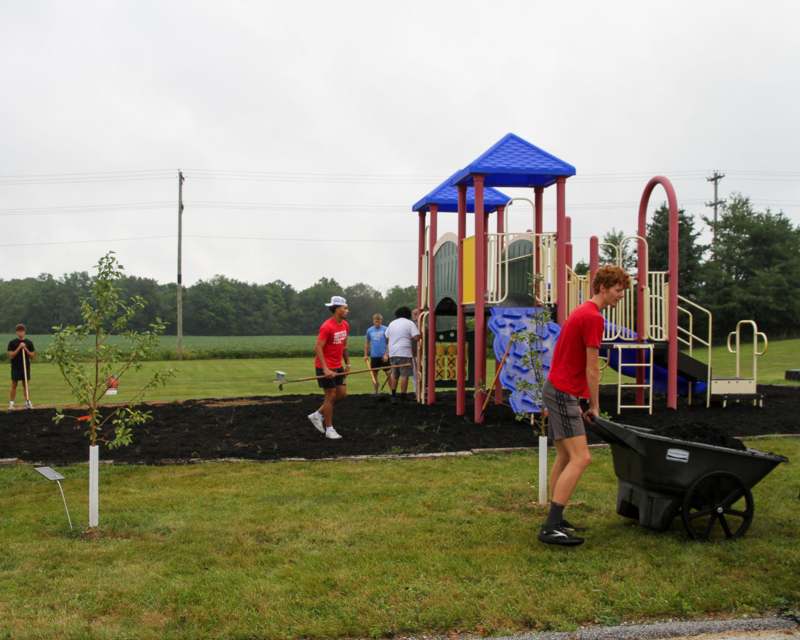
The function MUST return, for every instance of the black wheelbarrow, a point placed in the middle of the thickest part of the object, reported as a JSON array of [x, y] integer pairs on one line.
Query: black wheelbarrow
[[661, 478]]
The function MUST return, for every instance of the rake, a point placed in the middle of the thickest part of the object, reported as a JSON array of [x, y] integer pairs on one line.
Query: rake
[[280, 376]]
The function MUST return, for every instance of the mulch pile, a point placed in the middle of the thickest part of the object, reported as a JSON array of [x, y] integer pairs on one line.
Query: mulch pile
[[271, 428], [702, 432]]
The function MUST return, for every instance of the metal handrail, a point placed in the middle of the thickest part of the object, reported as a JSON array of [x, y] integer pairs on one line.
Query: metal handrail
[[498, 260], [756, 353], [510, 203]]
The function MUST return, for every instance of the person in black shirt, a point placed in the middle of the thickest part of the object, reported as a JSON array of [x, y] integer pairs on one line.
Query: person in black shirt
[[19, 348]]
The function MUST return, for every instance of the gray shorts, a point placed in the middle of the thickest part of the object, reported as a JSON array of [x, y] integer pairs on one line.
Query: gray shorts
[[565, 417], [405, 371]]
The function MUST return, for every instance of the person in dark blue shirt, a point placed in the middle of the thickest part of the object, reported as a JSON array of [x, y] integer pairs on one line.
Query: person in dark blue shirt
[[375, 348]]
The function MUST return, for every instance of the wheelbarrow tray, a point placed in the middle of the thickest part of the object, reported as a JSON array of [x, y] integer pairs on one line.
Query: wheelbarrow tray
[[655, 472]]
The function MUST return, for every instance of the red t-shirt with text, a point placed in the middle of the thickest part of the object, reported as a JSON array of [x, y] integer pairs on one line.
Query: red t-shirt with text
[[334, 335], [583, 329]]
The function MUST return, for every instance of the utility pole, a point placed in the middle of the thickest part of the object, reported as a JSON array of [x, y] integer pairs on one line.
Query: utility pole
[[715, 178], [180, 272]]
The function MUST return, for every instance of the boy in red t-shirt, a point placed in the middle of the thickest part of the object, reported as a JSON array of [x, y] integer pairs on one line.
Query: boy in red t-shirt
[[331, 363], [575, 375]]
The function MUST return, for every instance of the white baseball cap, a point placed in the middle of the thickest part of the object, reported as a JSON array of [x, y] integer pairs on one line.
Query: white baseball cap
[[336, 301]]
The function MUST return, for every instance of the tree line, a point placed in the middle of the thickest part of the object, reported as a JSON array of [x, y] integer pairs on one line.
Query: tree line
[[220, 306], [751, 272]]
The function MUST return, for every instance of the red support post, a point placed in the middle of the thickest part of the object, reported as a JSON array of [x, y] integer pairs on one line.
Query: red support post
[[480, 299], [672, 301], [594, 260], [420, 258], [498, 389], [538, 192], [461, 325], [561, 250], [431, 337]]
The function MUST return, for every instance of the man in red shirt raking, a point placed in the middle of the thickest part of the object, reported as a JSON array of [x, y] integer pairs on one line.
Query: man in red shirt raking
[[575, 374], [332, 362]]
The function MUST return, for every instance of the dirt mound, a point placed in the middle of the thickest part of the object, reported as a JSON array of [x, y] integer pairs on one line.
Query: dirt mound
[[701, 432]]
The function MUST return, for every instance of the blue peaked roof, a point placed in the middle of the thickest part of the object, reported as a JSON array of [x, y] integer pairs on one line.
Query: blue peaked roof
[[445, 197], [514, 162]]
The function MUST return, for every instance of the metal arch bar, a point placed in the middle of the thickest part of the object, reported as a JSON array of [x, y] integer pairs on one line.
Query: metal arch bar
[[617, 257], [508, 206], [638, 238]]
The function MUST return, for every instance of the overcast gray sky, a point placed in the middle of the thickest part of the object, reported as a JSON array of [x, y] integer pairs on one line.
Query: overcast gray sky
[[347, 112]]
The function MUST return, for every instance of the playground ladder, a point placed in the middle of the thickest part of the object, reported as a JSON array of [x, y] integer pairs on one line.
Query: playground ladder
[[647, 348]]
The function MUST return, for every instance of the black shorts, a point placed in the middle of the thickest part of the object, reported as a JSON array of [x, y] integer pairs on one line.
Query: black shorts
[[331, 383], [19, 375], [565, 414], [377, 363]]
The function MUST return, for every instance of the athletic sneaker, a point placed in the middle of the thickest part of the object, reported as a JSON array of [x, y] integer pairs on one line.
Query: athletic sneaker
[[568, 526], [559, 536], [28, 404], [10, 405], [316, 420], [331, 434]]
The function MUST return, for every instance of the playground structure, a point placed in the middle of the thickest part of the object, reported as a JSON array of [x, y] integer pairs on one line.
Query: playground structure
[[655, 335]]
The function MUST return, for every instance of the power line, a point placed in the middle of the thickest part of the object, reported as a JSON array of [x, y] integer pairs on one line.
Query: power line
[[83, 208], [349, 177], [63, 242], [82, 178], [302, 239], [359, 207], [214, 237]]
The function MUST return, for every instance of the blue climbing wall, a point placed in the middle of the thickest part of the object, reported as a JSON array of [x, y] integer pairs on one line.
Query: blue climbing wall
[[503, 323]]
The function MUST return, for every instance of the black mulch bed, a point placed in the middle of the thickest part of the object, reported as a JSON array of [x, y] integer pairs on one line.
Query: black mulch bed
[[271, 428]]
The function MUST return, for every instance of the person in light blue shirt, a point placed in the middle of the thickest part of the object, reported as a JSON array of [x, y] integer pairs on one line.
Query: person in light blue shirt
[[375, 348]]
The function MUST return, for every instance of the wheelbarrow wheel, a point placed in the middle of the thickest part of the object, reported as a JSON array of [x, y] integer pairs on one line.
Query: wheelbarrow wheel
[[717, 504]]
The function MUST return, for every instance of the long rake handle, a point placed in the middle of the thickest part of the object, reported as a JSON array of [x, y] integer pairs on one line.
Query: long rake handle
[[346, 373], [371, 374], [25, 376], [497, 376]]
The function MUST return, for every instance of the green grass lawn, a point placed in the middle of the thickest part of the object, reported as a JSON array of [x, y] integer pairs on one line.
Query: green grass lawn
[[356, 549], [245, 377], [204, 347], [781, 355], [195, 379]]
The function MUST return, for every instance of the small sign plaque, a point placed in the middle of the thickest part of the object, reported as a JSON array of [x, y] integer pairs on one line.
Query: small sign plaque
[[49, 473]]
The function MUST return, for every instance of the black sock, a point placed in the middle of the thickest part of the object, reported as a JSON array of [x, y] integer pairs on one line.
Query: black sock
[[555, 516], [394, 392]]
